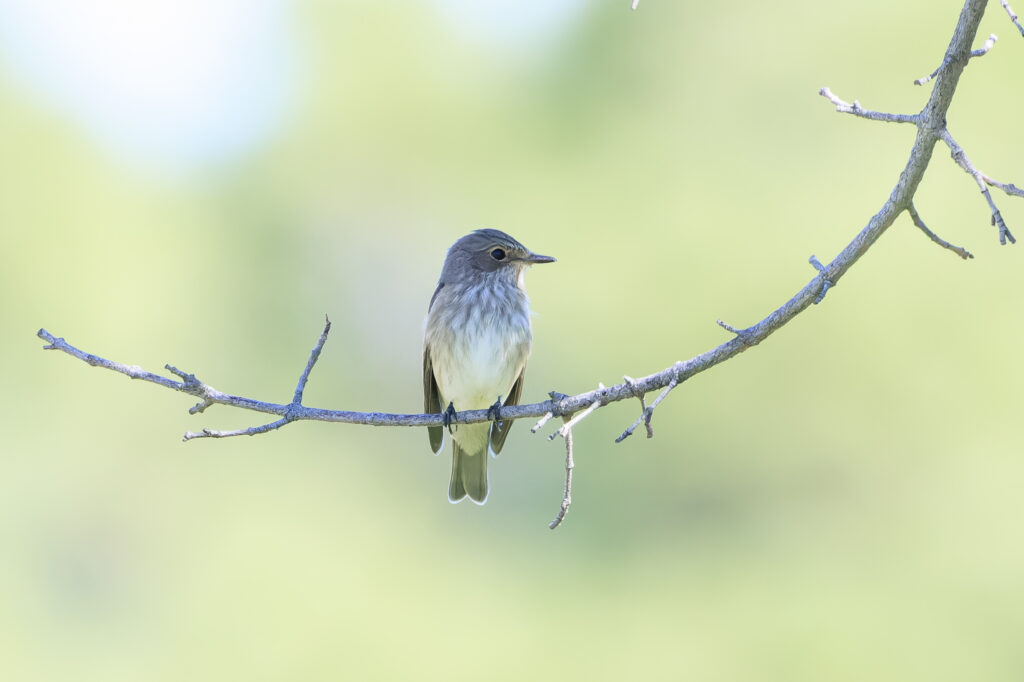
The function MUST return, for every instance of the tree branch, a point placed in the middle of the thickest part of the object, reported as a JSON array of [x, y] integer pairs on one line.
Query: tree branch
[[569, 466], [1006, 6], [857, 110], [980, 52], [961, 160], [931, 127], [959, 250]]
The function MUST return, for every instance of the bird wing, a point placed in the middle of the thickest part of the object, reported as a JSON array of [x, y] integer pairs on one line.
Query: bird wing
[[499, 430], [432, 401]]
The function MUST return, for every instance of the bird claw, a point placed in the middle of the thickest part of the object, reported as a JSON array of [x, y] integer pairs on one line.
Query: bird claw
[[494, 411], [447, 416]]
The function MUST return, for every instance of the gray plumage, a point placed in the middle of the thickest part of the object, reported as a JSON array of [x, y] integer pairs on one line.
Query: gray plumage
[[476, 345]]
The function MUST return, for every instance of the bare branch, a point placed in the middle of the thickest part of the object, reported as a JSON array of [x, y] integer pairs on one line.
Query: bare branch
[[1011, 190], [981, 51], [857, 110], [251, 431], [960, 156], [313, 357], [959, 250], [931, 127], [132, 371], [643, 412], [567, 426], [1009, 11], [930, 124], [542, 421], [646, 415], [567, 492]]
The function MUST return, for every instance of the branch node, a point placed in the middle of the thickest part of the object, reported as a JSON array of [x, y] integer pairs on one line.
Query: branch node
[[982, 180], [743, 335], [644, 412], [647, 413], [981, 51], [580, 416], [556, 410], [1013, 15]]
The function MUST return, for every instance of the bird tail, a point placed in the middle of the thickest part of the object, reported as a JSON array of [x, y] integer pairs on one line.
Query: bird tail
[[469, 474]]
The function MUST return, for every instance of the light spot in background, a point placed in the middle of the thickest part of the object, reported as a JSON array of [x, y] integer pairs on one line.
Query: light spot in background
[[513, 23], [165, 83]]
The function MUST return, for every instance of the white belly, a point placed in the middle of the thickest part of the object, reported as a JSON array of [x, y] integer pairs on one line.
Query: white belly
[[474, 371]]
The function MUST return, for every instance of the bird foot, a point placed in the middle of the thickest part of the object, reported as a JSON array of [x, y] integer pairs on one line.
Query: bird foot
[[494, 411], [447, 416]]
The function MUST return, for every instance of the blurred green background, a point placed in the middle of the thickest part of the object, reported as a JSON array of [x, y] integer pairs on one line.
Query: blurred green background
[[840, 503]]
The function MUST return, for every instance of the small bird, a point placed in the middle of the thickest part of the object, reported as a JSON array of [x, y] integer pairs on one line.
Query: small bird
[[475, 347]]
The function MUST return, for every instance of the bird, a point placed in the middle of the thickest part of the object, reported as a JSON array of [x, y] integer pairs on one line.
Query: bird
[[477, 339]]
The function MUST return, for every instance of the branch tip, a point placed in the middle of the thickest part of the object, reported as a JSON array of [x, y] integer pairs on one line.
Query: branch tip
[[919, 222], [1013, 15], [983, 181], [542, 421], [857, 110]]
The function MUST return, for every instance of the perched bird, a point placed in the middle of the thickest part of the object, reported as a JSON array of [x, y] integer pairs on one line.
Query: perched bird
[[476, 343]]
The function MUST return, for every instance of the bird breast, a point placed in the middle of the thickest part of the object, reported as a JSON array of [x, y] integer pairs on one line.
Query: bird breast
[[479, 338]]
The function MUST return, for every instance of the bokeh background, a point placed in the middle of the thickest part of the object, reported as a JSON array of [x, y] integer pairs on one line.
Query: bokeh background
[[199, 183]]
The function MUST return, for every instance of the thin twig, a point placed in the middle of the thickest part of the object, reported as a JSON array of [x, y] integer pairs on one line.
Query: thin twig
[[646, 415], [643, 411], [857, 110], [742, 335], [960, 156], [958, 250], [567, 492], [313, 357], [1013, 15], [251, 431], [729, 327], [542, 421]]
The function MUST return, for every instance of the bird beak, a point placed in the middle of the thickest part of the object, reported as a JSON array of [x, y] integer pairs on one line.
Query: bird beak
[[534, 258]]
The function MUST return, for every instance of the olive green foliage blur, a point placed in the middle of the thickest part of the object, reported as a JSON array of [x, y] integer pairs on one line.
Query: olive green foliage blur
[[840, 503]]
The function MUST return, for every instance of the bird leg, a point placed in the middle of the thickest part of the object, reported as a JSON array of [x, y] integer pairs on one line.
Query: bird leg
[[447, 416]]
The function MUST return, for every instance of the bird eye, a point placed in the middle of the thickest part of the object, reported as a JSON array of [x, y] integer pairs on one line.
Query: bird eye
[[498, 254]]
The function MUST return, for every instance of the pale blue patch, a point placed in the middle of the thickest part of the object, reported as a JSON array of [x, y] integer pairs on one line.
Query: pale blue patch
[[166, 83], [512, 23]]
